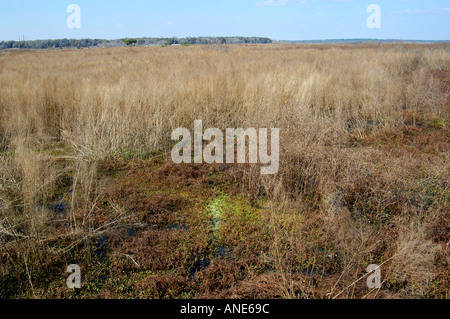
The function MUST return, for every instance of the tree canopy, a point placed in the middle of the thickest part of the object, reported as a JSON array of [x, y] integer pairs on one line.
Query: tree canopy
[[129, 42], [86, 43]]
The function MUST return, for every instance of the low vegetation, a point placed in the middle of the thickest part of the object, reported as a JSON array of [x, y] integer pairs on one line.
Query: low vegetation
[[89, 43], [86, 176]]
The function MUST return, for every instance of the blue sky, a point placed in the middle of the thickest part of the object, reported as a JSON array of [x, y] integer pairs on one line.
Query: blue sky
[[277, 19]]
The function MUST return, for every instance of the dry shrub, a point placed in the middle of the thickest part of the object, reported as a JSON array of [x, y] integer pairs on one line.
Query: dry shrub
[[166, 286], [265, 286], [413, 261], [221, 275], [168, 248]]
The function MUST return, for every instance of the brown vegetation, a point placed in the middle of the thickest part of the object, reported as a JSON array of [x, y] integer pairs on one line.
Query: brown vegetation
[[85, 175]]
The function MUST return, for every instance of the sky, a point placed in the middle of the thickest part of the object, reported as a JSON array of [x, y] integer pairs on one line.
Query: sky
[[276, 19]]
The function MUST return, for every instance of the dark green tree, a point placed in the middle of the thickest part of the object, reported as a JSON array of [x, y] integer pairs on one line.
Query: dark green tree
[[129, 42]]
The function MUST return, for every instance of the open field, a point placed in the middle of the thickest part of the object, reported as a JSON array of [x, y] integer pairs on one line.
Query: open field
[[86, 176]]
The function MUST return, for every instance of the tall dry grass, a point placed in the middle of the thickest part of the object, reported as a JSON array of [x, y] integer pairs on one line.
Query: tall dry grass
[[62, 111], [118, 99]]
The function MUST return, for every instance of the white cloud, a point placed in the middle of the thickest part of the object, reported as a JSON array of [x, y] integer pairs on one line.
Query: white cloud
[[435, 10], [273, 3]]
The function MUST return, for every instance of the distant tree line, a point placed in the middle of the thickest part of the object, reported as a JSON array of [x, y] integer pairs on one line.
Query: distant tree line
[[222, 40], [49, 44], [86, 43]]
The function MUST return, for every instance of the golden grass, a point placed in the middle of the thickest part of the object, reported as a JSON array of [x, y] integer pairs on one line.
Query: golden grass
[[115, 99]]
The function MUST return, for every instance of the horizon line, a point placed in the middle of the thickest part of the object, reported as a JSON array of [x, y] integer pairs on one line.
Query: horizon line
[[238, 36]]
